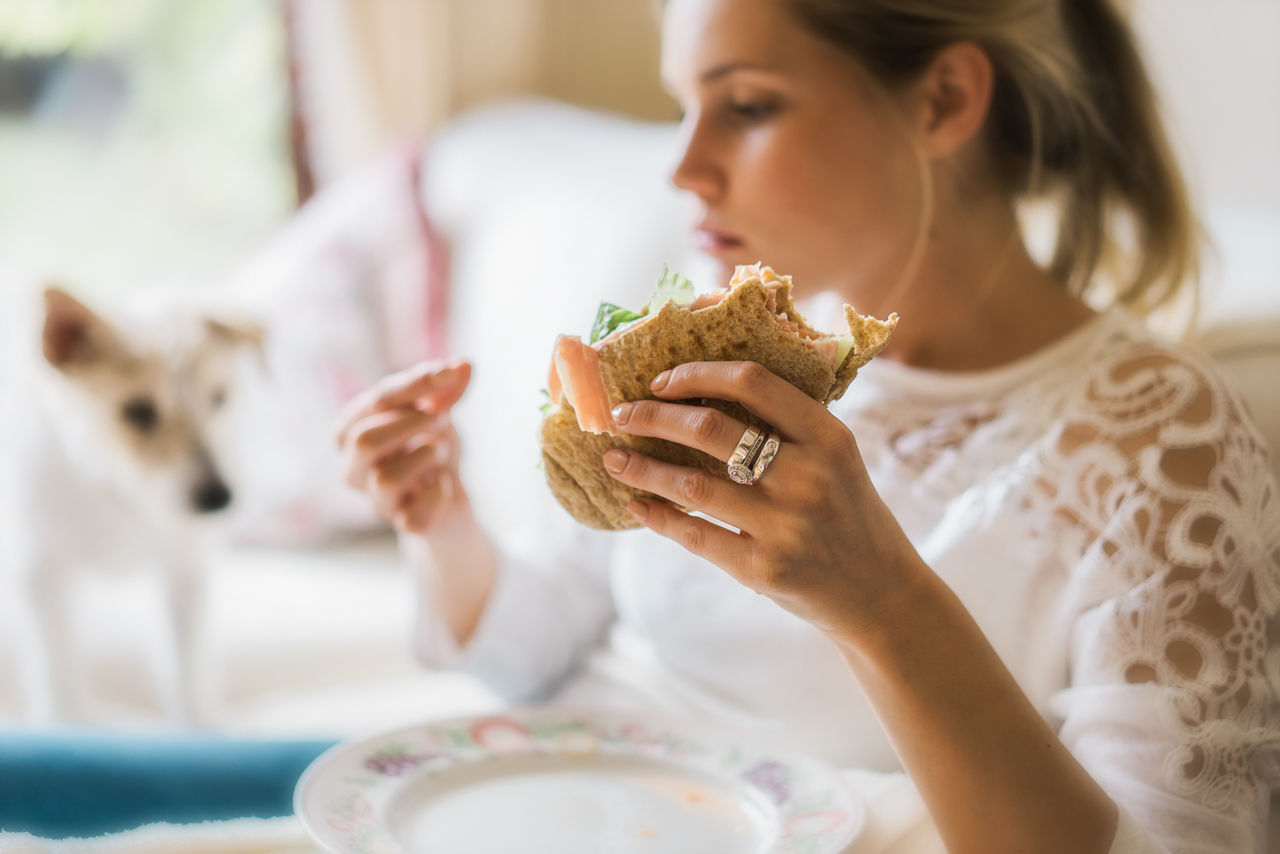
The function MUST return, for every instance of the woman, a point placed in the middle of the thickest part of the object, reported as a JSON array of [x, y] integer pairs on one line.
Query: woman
[[1035, 544]]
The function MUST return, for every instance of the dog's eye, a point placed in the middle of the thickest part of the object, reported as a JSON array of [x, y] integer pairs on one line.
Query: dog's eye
[[218, 398], [141, 414]]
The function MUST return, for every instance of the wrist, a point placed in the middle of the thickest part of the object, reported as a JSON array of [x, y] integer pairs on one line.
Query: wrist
[[458, 564], [904, 616]]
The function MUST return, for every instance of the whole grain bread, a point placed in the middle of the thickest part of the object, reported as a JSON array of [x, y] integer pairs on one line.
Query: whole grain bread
[[740, 328]]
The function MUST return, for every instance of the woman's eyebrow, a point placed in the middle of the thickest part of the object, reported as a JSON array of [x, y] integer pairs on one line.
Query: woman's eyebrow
[[723, 70], [727, 68]]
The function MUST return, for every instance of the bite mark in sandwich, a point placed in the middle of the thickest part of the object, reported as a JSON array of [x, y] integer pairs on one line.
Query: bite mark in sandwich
[[753, 319]]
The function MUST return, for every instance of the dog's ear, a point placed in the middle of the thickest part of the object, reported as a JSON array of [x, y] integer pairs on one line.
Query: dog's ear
[[73, 335], [239, 333]]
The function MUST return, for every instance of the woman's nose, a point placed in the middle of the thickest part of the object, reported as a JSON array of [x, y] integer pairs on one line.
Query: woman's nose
[[697, 169]]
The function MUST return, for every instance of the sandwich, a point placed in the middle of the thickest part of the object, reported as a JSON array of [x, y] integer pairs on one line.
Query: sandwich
[[752, 319]]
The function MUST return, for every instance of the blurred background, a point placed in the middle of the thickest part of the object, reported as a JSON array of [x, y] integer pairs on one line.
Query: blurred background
[[379, 181], [165, 141]]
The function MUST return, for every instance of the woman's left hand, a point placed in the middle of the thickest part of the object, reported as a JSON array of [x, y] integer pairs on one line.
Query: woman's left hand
[[814, 535]]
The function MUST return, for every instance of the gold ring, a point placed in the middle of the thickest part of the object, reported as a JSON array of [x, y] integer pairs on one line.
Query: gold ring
[[767, 453], [744, 455]]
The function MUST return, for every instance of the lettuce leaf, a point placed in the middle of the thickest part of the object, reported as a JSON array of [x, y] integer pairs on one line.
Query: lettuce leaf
[[671, 287], [845, 344], [608, 318]]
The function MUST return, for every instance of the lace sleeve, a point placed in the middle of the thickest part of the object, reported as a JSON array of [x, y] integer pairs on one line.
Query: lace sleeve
[[1175, 673]]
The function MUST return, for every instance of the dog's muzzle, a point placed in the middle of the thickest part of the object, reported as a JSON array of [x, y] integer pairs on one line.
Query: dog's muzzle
[[210, 496]]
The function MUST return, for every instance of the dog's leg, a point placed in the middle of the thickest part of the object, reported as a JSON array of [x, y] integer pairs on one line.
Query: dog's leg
[[188, 692], [52, 684]]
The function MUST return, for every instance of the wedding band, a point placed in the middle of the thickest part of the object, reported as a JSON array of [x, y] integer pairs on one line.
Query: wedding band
[[744, 455], [767, 453]]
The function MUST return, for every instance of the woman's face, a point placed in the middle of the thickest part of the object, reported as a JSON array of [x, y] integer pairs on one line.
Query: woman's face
[[795, 161]]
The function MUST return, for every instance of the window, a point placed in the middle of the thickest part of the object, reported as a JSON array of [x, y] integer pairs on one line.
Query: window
[[142, 142]]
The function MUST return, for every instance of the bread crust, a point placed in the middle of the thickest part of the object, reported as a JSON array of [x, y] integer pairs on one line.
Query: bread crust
[[740, 328]]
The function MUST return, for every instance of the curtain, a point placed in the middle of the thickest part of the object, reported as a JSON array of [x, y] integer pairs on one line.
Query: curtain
[[371, 73]]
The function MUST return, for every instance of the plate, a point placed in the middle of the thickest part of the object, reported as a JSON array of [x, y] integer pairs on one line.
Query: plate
[[546, 779]]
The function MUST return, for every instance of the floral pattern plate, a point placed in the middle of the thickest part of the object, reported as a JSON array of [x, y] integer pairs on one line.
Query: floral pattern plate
[[566, 781]]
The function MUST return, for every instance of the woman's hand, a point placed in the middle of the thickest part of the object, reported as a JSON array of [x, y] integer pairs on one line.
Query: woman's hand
[[400, 447], [814, 535]]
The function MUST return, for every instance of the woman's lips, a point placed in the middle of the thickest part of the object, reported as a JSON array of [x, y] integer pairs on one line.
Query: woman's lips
[[717, 242]]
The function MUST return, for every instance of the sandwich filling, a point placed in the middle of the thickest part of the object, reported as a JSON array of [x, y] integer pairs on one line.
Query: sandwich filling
[[575, 373]]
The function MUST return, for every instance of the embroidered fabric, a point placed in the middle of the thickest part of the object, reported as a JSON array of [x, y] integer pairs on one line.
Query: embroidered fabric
[[1153, 487]]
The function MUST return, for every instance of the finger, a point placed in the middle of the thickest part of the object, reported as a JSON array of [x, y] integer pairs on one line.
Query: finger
[[706, 539], [420, 511], [790, 412], [393, 482], [383, 434], [685, 487], [431, 386], [708, 430], [426, 386]]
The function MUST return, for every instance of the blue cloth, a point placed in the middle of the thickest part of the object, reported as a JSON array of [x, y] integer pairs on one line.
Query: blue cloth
[[60, 783]]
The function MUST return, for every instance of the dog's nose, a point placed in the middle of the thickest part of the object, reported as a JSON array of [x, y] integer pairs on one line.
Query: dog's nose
[[211, 496]]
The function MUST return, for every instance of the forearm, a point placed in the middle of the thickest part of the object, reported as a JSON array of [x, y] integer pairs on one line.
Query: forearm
[[456, 565], [993, 774]]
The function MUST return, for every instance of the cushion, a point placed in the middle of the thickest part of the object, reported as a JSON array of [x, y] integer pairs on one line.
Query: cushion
[[547, 210], [344, 292]]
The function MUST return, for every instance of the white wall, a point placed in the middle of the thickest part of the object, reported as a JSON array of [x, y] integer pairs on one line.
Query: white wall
[[1216, 64]]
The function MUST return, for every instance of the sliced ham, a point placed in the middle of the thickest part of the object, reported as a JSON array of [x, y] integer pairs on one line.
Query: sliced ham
[[788, 324], [578, 368], [827, 348], [708, 300], [763, 272]]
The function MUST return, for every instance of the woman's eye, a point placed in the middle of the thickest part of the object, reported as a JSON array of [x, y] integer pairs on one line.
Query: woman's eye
[[140, 414], [752, 111], [218, 398]]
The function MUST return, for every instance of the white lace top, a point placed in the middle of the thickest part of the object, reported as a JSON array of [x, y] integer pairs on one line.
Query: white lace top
[[1104, 510]]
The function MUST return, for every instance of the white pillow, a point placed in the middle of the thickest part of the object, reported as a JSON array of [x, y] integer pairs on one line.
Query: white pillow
[[342, 292], [548, 209]]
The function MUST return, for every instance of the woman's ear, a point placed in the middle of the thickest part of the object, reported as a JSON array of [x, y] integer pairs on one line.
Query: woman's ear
[[954, 96]]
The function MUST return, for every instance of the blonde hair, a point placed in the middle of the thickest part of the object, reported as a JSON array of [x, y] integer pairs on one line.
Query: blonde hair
[[1074, 118]]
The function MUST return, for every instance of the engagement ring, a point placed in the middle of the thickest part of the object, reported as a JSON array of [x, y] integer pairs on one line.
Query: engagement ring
[[744, 456]]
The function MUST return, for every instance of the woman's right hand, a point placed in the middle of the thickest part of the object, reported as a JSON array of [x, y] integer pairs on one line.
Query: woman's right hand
[[400, 447]]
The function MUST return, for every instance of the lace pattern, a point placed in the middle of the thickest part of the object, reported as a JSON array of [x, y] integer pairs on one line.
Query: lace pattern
[[1138, 468], [1175, 495]]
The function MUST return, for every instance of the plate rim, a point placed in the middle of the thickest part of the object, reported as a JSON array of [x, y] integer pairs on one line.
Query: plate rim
[[699, 731]]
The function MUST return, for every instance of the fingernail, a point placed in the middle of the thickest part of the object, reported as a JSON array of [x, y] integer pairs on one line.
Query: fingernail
[[660, 381], [638, 510], [615, 461], [621, 413]]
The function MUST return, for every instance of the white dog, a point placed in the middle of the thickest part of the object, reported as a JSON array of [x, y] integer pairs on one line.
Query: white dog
[[119, 447]]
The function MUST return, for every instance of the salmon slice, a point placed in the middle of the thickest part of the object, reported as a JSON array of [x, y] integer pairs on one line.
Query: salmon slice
[[555, 389], [578, 366]]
